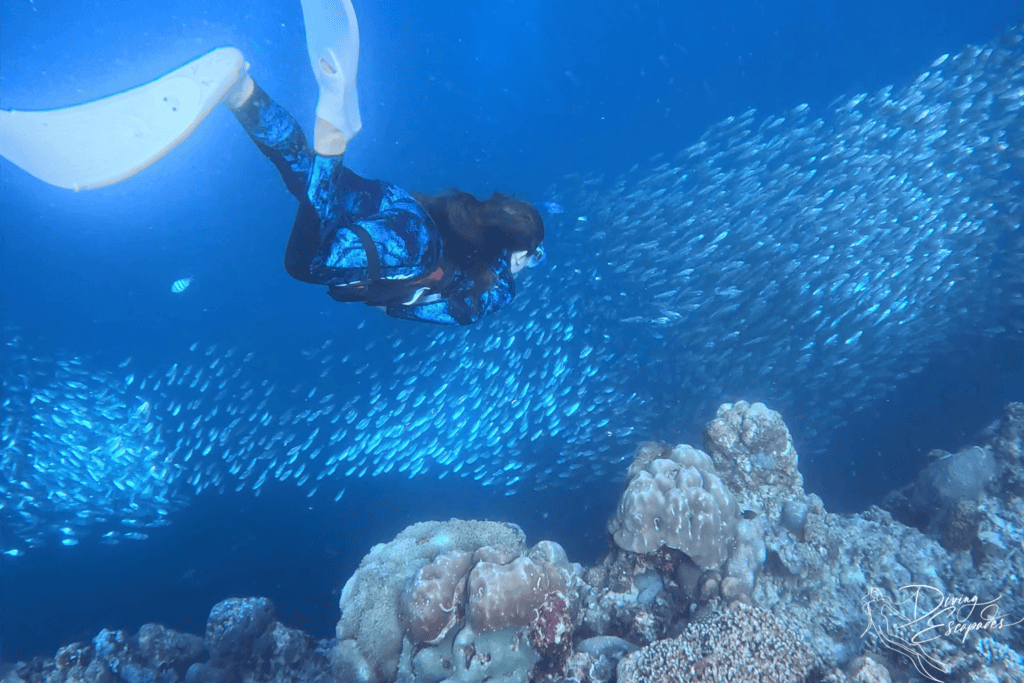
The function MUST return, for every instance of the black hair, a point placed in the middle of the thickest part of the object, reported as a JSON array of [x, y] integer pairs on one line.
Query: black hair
[[474, 232]]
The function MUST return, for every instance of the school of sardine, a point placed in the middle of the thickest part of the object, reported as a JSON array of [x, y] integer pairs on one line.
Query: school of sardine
[[808, 261]]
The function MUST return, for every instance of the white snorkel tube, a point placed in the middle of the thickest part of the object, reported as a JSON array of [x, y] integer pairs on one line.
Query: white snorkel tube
[[332, 37]]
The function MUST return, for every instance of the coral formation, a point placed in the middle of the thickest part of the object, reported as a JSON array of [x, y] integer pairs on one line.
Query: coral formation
[[954, 477], [595, 659], [960, 526], [741, 644], [674, 498], [753, 454], [1008, 441], [866, 669], [431, 603], [789, 593], [508, 595], [244, 643], [458, 601], [371, 630]]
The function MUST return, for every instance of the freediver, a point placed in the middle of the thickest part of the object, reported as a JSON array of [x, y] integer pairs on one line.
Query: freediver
[[446, 259]]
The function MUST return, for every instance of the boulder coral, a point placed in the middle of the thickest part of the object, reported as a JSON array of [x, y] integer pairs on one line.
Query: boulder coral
[[673, 498], [457, 601]]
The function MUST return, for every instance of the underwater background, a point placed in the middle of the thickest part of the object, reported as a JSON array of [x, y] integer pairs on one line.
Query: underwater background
[[243, 376]]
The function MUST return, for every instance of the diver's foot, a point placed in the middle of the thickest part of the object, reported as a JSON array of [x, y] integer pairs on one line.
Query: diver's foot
[[240, 92], [328, 140]]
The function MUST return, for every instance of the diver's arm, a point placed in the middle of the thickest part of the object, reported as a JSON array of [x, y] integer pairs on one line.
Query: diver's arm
[[462, 306]]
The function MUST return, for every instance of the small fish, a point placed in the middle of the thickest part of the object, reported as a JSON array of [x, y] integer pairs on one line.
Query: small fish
[[181, 285], [771, 253], [553, 208]]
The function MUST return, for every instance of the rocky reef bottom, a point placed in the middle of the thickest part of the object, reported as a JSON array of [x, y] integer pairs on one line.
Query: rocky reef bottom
[[721, 569]]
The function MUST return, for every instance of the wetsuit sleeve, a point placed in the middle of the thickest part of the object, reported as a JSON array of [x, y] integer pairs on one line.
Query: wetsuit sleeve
[[461, 305], [279, 136]]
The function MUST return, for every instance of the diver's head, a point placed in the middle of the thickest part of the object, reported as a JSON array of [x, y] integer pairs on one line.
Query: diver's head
[[475, 230], [522, 224], [519, 222]]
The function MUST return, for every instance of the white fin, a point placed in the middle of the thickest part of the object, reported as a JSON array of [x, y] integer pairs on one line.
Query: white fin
[[332, 37], [100, 143]]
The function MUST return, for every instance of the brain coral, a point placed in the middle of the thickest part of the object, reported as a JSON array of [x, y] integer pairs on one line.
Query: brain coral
[[431, 603], [674, 498], [457, 601], [376, 605], [504, 596]]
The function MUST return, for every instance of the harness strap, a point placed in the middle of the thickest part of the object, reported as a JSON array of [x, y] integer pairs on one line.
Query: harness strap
[[370, 247]]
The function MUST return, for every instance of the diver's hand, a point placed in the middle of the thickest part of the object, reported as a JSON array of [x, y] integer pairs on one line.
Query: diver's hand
[[238, 94]]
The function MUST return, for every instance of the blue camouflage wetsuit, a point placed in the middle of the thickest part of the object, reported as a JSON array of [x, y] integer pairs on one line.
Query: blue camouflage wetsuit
[[367, 240]]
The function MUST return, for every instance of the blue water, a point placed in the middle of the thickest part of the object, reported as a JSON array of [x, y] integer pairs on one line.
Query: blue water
[[484, 96]]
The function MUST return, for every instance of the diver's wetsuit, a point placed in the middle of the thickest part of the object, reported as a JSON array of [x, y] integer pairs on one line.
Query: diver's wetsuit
[[368, 240]]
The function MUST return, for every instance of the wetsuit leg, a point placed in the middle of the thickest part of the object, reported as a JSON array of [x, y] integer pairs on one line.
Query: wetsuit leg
[[340, 195], [303, 244], [348, 229], [342, 202], [324, 208], [374, 230], [353, 230], [279, 136]]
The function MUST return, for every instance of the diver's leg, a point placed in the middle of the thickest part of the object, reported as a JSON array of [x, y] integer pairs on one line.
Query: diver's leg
[[351, 229], [278, 135], [339, 194], [330, 202], [303, 244], [326, 245], [375, 230]]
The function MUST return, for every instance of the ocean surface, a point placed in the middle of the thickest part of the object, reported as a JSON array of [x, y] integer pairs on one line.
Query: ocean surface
[[813, 205]]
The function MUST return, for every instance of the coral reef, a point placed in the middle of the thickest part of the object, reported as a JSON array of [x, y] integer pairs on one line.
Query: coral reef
[[866, 669], [674, 498], [457, 601], [244, 644], [721, 567], [741, 644], [371, 629]]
